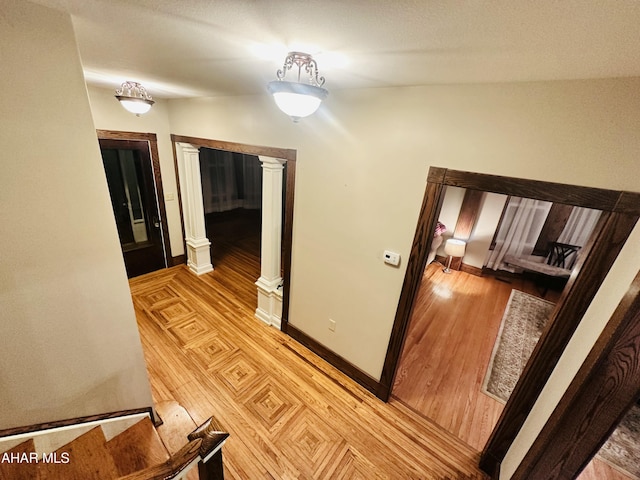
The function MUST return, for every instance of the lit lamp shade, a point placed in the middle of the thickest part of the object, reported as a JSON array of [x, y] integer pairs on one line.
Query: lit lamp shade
[[455, 247], [135, 105], [134, 98], [298, 100]]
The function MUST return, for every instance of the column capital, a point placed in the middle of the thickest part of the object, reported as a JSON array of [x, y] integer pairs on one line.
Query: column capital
[[273, 163], [188, 148]]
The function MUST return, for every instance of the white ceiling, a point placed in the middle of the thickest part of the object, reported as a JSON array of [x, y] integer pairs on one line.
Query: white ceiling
[[182, 48]]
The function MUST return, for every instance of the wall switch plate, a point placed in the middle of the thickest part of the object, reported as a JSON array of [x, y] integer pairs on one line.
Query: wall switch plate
[[391, 258], [332, 325]]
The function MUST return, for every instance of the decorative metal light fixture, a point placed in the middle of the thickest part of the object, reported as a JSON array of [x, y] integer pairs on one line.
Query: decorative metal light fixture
[[134, 98], [298, 99]]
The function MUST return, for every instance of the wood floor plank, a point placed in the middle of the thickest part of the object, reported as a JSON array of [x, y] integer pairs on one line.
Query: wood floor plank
[[289, 413], [176, 425], [450, 338]]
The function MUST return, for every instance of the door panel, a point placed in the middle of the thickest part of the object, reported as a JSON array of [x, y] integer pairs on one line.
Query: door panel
[[129, 172]]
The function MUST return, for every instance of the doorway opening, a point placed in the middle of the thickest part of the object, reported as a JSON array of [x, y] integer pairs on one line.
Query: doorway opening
[[617, 220], [278, 182], [232, 198], [473, 329], [135, 187]]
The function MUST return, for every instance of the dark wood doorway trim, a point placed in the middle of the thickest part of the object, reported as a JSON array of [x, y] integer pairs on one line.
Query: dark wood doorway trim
[[602, 392], [289, 186], [155, 163], [620, 213]]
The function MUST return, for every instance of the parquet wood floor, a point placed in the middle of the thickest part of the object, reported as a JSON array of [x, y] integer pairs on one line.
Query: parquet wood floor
[[289, 413], [450, 338]]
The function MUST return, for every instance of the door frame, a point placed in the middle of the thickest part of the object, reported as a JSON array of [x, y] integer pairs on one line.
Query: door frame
[[289, 156], [621, 211], [600, 395], [152, 143]]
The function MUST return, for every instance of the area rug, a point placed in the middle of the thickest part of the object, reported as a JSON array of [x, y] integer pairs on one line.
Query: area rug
[[522, 323], [622, 450]]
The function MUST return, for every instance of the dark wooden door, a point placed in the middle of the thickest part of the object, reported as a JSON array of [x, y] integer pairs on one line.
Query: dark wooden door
[[129, 171]]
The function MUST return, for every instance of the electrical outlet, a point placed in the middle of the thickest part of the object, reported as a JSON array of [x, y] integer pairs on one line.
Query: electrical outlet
[[332, 325]]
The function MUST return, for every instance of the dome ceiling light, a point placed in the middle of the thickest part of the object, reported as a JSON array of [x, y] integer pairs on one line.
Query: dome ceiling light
[[298, 99], [134, 98]]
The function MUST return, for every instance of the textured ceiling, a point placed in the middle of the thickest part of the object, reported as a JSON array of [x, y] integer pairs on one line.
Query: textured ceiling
[[181, 48]]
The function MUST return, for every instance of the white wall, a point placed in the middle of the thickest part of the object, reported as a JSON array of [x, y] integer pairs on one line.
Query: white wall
[[70, 344], [449, 213], [486, 224], [109, 115], [490, 210]]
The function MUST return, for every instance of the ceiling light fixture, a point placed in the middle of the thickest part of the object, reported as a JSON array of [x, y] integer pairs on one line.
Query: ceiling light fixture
[[134, 98], [298, 99]]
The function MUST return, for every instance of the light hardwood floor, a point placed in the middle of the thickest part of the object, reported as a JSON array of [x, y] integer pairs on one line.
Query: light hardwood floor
[[449, 342], [289, 413]]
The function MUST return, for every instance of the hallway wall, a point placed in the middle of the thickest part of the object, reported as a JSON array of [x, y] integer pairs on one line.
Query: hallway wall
[[70, 344]]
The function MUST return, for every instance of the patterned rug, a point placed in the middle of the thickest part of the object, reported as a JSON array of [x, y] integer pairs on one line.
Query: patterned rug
[[522, 323]]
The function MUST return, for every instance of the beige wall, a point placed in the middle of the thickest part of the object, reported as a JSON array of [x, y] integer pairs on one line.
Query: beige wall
[[70, 345], [109, 115], [361, 170], [362, 164]]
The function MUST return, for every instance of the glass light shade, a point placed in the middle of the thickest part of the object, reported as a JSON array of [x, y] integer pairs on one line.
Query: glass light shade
[[135, 105], [455, 247], [297, 100]]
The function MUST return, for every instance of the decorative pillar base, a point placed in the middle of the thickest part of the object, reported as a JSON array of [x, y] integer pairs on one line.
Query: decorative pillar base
[[199, 256], [270, 301]]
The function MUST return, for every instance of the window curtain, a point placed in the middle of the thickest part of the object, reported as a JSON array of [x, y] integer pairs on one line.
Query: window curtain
[[252, 181], [579, 226], [230, 181], [519, 230]]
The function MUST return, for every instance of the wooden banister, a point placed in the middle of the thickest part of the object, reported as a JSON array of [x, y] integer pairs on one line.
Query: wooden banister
[[205, 445], [211, 434]]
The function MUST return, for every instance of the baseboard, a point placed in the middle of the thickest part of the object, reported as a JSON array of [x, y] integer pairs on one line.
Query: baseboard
[[471, 269], [463, 267], [73, 421], [490, 465], [179, 260], [336, 360]]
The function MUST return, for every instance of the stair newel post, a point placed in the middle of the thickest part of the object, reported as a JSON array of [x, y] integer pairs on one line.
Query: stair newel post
[[210, 466]]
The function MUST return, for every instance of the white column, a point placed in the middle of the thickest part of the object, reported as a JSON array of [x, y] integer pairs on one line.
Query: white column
[[198, 245], [269, 294]]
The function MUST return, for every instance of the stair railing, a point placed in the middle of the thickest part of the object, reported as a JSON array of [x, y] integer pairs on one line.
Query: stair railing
[[204, 447]]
